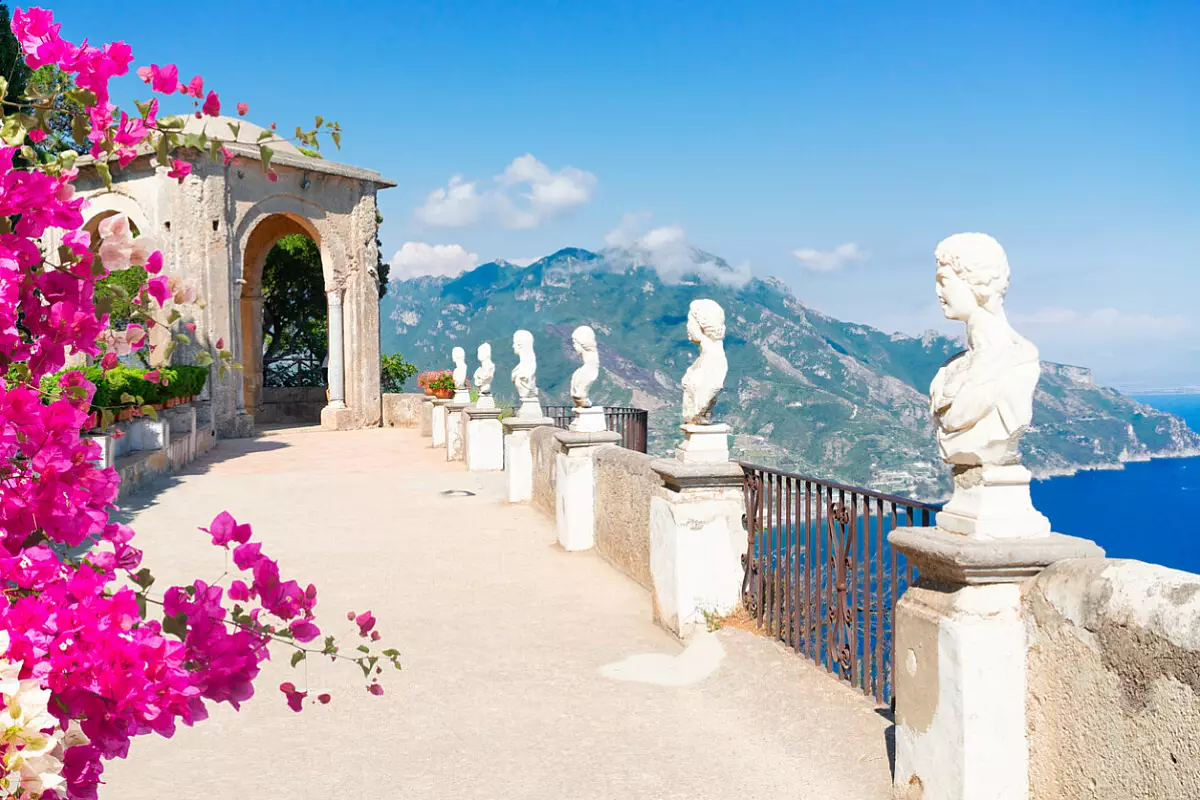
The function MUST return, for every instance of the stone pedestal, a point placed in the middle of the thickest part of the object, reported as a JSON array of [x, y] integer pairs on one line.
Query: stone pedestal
[[518, 456], [108, 451], [485, 401], [960, 662], [338, 418], [531, 410], [454, 431], [704, 444], [462, 396], [438, 422], [427, 415], [149, 434], [588, 420], [696, 542], [993, 502], [485, 438], [575, 477]]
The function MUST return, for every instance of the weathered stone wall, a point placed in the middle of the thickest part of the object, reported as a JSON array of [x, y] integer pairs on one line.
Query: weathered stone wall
[[290, 404], [624, 484], [545, 470], [402, 410], [1114, 681]]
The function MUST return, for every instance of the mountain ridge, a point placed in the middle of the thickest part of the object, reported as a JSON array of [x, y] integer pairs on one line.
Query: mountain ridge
[[805, 391]]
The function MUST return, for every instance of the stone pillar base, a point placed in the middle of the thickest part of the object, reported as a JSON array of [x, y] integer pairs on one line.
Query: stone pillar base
[[438, 422], [530, 409], [454, 431], [993, 502], [575, 474], [427, 415], [485, 401], [337, 419], [518, 457], [240, 427], [960, 661], [696, 543], [485, 438], [462, 396], [704, 444], [588, 420]]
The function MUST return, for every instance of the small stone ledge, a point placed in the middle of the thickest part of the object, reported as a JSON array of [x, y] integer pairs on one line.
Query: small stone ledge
[[677, 475], [475, 412], [338, 419], [518, 424], [570, 440], [954, 558]]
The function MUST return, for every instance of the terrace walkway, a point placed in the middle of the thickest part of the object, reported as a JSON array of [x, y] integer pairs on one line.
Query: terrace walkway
[[509, 645]]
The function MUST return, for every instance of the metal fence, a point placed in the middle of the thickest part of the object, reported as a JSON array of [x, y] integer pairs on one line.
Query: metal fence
[[631, 423], [820, 574]]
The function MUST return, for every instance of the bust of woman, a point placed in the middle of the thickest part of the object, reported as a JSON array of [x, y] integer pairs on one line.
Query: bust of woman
[[982, 398], [584, 340], [459, 356], [705, 378], [524, 374], [486, 371]]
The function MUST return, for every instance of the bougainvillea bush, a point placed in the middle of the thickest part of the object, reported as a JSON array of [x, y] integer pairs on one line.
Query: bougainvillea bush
[[92, 653]]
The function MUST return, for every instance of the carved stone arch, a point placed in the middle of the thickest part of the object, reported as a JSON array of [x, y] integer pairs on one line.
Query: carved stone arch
[[313, 220], [116, 202]]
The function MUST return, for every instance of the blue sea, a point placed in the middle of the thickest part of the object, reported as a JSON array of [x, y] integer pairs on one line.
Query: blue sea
[[1149, 511]]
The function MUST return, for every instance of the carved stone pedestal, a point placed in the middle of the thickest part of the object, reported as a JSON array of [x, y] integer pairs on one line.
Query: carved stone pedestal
[[993, 502], [454, 430], [960, 662], [696, 542], [427, 415], [518, 456], [703, 444], [588, 420], [485, 438], [530, 409], [575, 478], [462, 396], [438, 422]]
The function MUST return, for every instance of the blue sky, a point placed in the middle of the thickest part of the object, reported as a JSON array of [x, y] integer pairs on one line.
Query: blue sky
[[858, 135]]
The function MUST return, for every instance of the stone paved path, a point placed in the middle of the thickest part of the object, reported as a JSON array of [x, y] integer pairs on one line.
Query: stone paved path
[[509, 646]]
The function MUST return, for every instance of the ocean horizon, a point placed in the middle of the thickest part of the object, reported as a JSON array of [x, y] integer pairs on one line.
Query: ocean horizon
[[1146, 511]]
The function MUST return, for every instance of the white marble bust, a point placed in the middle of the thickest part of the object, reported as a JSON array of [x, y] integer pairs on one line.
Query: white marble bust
[[486, 371], [459, 356], [705, 378], [982, 398], [524, 374], [584, 340]]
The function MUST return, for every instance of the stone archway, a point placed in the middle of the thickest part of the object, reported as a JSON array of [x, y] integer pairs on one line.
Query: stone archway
[[215, 230]]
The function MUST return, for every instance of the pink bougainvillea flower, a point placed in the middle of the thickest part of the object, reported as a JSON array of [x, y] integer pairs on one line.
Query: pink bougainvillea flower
[[243, 109], [272, 175], [227, 155], [195, 87], [295, 699], [180, 169], [109, 361], [375, 689], [304, 631], [154, 262], [164, 79], [365, 622], [145, 73], [153, 376], [191, 327], [159, 289], [324, 699], [37, 135], [212, 105], [220, 342], [225, 529]]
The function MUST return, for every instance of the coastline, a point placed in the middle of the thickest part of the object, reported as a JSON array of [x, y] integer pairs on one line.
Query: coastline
[[1140, 458]]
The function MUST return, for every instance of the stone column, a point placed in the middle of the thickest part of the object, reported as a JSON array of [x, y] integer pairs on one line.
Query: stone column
[[960, 662], [696, 542], [484, 446], [335, 415], [427, 415], [575, 478], [518, 455], [454, 430], [438, 422]]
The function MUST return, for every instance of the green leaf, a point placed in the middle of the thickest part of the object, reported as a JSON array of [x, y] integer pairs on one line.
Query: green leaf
[[67, 159], [127, 399], [179, 337], [176, 625], [105, 174], [235, 128], [79, 129], [297, 657], [14, 129], [149, 411], [162, 150], [337, 139], [362, 648], [143, 578], [265, 154], [174, 316], [196, 140], [106, 418], [85, 97], [391, 652], [172, 123], [141, 601], [264, 136], [203, 359]]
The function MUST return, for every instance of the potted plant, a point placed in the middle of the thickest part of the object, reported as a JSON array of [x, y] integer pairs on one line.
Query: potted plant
[[423, 382], [442, 384]]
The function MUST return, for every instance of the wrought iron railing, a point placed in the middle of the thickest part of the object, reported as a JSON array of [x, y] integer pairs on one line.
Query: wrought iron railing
[[820, 574], [631, 423]]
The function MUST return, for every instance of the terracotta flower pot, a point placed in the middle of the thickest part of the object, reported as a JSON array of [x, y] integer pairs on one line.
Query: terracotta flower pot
[[443, 394], [429, 391], [124, 414]]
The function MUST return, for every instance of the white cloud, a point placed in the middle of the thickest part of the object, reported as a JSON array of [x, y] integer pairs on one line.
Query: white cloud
[[1102, 325], [414, 259], [527, 194], [521, 262], [667, 250], [830, 260]]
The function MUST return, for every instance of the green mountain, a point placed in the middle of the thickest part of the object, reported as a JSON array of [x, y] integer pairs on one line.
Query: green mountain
[[806, 392]]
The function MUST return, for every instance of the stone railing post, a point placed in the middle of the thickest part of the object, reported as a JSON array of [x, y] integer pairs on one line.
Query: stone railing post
[[427, 415], [518, 455], [454, 428], [575, 479], [484, 448], [438, 421]]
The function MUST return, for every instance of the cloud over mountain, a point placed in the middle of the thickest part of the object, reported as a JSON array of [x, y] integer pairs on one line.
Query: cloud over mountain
[[415, 259], [667, 250], [829, 260], [527, 194]]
